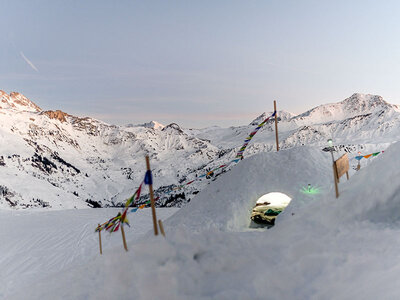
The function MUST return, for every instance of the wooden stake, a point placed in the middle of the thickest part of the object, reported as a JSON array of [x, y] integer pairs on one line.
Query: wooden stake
[[161, 227], [123, 236], [101, 250], [336, 180], [153, 206], [276, 127]]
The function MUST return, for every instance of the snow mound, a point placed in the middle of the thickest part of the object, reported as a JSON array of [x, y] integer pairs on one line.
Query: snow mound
[[226, 204], [373, 194]]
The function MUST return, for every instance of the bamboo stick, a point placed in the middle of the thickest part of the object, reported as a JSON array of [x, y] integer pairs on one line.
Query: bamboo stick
[[336, 179], [153, 207], [123, 236], [101, 250], [276, 127]]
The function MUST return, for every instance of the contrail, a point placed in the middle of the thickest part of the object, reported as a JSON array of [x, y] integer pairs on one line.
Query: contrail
[[28, 61]]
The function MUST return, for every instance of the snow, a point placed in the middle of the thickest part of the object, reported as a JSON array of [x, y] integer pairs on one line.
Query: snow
[[320, 248], [99, 162], [35, 245], [231, 201]]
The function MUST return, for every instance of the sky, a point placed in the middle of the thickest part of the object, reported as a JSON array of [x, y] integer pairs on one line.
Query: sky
[[197, 63]]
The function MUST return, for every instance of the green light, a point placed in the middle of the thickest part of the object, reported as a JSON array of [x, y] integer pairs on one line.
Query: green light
[[310, 190], [330, 142]]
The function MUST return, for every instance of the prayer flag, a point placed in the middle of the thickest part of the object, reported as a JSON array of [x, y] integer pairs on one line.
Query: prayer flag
[[148, 179]]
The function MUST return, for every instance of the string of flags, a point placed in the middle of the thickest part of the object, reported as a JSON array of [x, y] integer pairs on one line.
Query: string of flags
[[252, 134], [135, 196], [114, 224], [238, 156], [368, 155], [118, 221]]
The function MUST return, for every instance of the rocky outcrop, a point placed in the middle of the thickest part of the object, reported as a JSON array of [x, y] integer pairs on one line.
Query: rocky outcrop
[[58, 115]]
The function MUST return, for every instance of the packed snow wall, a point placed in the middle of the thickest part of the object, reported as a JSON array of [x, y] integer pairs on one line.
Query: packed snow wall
[[227, 202]]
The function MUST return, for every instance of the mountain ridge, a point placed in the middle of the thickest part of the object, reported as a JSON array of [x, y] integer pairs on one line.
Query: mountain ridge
[[64, 161]]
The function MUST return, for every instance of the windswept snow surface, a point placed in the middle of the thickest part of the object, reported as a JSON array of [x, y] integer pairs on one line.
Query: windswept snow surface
[[34, 244], [320, 248]]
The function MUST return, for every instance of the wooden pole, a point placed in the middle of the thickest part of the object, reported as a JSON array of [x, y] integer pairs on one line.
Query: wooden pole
[[276, 127], [161, 227], [153, 206], [336, 180], [101, 250], [123, 236]]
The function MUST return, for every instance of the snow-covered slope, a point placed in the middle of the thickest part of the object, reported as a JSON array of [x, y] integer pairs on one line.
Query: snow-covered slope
[[55, 160], [38, 244], [18, 102], [356, 105]]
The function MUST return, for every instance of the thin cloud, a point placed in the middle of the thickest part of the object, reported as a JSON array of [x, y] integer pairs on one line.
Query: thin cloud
[[28, 61]]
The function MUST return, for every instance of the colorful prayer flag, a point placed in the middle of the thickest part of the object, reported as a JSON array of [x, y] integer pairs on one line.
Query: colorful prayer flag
[[253, 133], [148, 179]]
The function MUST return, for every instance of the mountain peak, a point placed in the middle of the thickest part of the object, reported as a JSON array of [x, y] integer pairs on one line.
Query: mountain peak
[[362, 103], [151, 124], [17, 101], [173, 127], [365, 101], [356, 105], [282, 116]]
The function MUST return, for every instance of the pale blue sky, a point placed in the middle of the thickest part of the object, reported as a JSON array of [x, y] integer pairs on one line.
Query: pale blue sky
[[197, 63]]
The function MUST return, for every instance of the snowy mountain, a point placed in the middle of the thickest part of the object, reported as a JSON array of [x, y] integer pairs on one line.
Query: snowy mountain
[[151, 124], [356, 105], [57, 160], [54, 159]]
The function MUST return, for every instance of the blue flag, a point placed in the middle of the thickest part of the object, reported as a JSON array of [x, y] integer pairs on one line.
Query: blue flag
[[148, 178]]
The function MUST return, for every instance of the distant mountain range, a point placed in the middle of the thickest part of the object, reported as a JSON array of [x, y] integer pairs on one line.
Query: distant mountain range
[[57, 160]]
